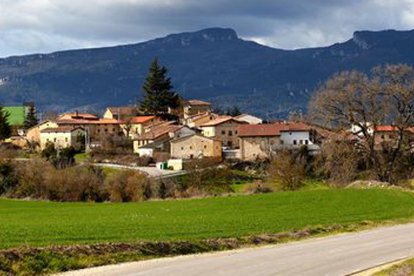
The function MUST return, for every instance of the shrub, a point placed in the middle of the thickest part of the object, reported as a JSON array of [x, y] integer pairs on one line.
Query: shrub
[[8, 181], [32, 178], [287, 170], [127, 186]]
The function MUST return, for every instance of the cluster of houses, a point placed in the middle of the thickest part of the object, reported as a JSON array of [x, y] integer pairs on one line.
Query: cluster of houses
[[198, 133]]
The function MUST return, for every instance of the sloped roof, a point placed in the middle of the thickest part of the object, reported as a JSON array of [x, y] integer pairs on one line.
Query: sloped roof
[[390, 128], [77, 116], [220, 120], [158, 131], [260, 130], [198, 103], [274, 129], [60, 129], [386, 128], [295, 126], [248, 118], [140, 119], [193, 135], [89, 122]]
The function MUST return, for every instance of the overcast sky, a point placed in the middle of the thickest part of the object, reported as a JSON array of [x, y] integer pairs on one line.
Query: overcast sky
[[32, 26]]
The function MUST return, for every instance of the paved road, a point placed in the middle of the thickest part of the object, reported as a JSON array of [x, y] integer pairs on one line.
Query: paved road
[[335, 255]]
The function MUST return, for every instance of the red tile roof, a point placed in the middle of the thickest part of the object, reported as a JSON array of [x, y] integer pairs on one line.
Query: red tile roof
[[89, 122], [390, 128], [141, 119], [385, 128], [270, 129]]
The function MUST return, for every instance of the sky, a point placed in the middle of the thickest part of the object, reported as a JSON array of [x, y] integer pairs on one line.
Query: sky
[[42, 26]]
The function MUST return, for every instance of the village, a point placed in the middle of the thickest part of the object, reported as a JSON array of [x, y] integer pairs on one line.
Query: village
[[199, 133]]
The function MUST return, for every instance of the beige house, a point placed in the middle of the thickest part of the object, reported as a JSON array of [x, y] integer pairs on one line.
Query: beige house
[[33, 133], [96, 129], [256, 141], [225, 129], [137, 125], [120, 112], [195, 146], [261, 141], [196, 121], [61, 137], [158, 138], [194, 107]]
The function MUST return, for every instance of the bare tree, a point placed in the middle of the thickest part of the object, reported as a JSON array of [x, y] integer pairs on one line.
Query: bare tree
[[385, 96]]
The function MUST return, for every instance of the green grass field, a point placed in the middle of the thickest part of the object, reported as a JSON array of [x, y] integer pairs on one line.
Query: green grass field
[[44, 223]]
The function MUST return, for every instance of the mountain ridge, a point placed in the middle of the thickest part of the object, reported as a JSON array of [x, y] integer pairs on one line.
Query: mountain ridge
[[211, 64]]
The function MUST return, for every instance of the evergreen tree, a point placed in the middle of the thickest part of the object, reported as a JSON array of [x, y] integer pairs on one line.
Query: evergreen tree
[[31, 119], [158, 94], [5, 128]]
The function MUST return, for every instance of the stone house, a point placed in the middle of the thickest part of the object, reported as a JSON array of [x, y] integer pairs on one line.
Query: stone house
[[261, 141], [197, 120], [96, 129], [225, 129], [138, 124], [195, 146], [33, 133], [157, 138], [194, 107], [61, 137]]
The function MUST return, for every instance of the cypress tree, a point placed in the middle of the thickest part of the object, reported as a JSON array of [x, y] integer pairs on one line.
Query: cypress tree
[[5, 128], [158, 94], [31, 119]]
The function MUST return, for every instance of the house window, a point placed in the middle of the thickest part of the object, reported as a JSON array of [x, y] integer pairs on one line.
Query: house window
[[235, 132], [205, 146], [223, 132], [301, 142], [106, 130], [230, 144], [54, 139], [182, 148], [295, 142], [66, 139], [281, 142], [230, 133], [382, 137], [306, 142]]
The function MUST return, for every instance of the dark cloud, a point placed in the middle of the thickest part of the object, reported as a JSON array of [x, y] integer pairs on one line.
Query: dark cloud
[[44, 25]]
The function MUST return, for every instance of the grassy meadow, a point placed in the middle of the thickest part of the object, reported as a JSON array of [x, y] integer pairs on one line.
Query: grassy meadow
[[38, 223]]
